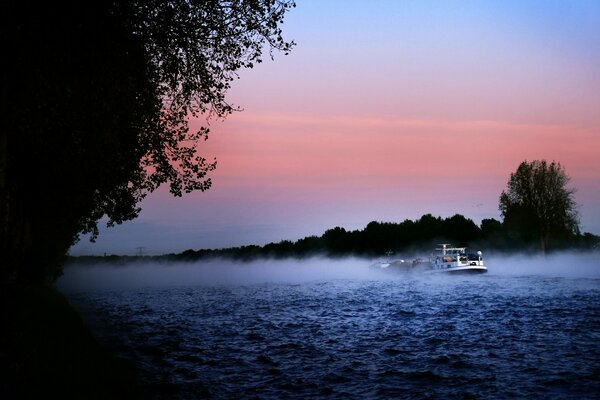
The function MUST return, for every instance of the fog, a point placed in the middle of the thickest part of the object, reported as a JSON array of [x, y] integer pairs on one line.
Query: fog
[[211, 272], [565, 264], [82, 278]]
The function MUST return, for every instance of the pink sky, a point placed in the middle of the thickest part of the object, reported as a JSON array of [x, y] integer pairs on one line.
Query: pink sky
[[387, 111]]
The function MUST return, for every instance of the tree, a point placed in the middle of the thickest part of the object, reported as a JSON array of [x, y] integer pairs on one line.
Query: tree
[[538, 205], [335, 241], [491, 228], [460, 230], [96, 99]]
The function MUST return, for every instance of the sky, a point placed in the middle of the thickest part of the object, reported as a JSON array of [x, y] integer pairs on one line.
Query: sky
[[385, 111]]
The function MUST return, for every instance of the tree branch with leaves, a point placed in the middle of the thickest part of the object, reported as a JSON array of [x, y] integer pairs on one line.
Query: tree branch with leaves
[[97, 100]]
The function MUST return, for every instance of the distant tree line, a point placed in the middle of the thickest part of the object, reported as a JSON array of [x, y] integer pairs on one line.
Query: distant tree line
[[378, 238], [538, 210]]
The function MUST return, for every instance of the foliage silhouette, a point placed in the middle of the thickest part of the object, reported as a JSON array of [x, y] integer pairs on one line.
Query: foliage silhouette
[[375, 240], [538, 206], [97, 97]]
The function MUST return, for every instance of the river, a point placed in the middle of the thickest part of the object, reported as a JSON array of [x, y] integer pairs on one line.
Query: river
[[530, 328]]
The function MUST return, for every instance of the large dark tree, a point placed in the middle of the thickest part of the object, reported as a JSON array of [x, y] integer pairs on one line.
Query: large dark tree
[[96, 98], [537, 204]]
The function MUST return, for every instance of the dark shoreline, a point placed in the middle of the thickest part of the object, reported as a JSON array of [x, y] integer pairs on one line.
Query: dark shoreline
[[376, 240], [48, 352]]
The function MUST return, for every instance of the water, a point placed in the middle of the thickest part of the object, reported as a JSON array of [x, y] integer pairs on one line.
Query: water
[[358, 335]]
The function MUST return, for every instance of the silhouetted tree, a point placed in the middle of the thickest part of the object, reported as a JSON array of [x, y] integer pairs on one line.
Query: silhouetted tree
[[375, 238], [335, 241], [428, 227], [96, 99], [460, 230], [308, 245], [538, 205], [490, 227]]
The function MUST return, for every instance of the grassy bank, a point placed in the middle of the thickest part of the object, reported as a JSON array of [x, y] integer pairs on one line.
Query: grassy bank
[[47, 352]]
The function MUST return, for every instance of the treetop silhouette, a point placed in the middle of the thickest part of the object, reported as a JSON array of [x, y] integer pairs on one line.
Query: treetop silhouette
[[97, 99], [537, 204]]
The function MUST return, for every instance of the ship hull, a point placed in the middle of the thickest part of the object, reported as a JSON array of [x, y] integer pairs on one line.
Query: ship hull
[[468, 270], [421, 268]]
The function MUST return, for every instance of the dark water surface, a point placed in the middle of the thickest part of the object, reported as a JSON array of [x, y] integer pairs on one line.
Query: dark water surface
[[363, 336]]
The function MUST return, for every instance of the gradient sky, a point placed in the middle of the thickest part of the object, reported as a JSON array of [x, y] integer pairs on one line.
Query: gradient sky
[[387, 110]]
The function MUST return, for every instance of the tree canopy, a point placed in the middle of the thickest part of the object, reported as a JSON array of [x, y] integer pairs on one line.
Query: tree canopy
[[406, 239], [96, 101], [538, 205], [375, 240]]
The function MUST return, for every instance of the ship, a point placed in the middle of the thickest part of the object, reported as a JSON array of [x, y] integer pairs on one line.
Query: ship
[[445, 259]]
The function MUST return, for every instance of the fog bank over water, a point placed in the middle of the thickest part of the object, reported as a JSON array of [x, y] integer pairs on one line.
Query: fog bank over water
[[210, 272], [564, 264], [226, 272]]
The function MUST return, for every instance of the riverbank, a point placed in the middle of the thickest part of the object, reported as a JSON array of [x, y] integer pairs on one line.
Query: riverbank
[[47, 352]]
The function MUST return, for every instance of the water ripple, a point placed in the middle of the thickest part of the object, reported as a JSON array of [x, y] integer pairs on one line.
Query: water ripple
[[490, 337]]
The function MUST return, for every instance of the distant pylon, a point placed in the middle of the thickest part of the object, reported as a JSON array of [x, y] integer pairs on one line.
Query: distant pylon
[[140, 251]]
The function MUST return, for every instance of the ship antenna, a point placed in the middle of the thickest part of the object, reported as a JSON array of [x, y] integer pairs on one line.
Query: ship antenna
[[444, 247]]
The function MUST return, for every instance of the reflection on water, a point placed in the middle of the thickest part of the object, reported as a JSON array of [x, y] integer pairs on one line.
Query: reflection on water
[[320, 332]]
